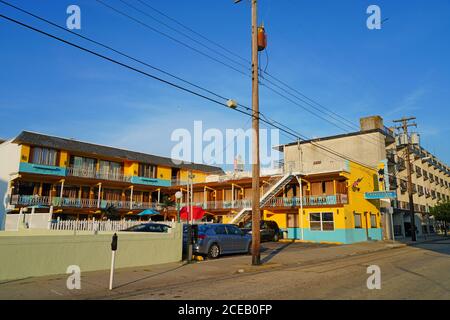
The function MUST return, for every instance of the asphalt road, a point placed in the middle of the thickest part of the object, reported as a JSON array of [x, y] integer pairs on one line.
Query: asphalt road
[[419, 272], [290, 271]]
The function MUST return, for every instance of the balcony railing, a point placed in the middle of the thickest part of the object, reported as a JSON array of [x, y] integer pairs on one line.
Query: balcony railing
[[94, 174], [309, 201], [30, 201], [330, 200]]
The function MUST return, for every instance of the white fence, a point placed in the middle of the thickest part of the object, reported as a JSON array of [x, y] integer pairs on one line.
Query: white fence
[[14, 222], [91, 225]]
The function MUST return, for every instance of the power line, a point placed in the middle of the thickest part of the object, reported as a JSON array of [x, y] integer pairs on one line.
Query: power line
[[335, 117], [348, 122], [170, 37], [267, 121], [184, 34], [135, 69], [112, 49], [193, 31]]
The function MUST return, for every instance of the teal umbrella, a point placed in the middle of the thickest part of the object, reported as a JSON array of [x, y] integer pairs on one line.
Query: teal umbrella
[[39, 206], [148, 212]]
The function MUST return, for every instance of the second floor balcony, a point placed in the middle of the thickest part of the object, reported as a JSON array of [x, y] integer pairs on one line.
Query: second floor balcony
[[92, 173], [287, 202], [34, 201]]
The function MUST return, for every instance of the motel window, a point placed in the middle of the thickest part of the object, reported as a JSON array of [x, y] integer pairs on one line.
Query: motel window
[[147, 170], [357, 217], [321, 221], [373, 221], [110, 168], [83, 166], [44, 156]]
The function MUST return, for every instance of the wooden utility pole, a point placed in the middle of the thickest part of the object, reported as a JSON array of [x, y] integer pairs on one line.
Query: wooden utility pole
[[256, 214], [404, 127]]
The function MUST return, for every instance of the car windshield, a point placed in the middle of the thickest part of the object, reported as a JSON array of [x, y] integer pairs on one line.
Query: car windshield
[[248, 225]]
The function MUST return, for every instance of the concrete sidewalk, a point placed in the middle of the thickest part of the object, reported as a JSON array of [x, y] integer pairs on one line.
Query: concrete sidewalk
[[94, 285], [423, 239]]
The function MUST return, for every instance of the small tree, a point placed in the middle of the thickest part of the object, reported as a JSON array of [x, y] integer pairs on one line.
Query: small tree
[[441, 212], [166, 203], [110, 212]]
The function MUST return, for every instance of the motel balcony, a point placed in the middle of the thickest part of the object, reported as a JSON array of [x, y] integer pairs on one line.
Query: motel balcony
[[90, 173], [277, 202], [30, 201]]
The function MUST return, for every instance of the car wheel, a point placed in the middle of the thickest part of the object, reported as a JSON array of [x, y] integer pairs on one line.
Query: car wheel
[[214, 251], [249, 249]]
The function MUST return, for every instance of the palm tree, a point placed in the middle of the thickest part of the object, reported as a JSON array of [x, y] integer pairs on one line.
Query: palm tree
[[166, 203], [110, 212]]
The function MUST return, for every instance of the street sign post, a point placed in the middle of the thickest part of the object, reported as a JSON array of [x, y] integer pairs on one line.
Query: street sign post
[[378, 195]]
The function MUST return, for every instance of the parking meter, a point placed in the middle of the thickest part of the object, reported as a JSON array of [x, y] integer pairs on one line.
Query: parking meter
[[194, 230], [114, 242], [113, 258]]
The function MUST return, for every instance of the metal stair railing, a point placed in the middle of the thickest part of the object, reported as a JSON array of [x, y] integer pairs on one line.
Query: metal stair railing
[[276, 184]]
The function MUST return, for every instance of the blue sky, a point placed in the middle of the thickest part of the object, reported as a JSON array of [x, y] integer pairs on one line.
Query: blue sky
[[322, 48]]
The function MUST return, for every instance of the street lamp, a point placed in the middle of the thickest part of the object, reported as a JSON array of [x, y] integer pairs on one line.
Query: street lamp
[[178, 196]]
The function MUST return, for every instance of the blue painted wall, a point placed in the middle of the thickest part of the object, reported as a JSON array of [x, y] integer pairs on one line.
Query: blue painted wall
[[338, 235], [151, 182], [41, 169]]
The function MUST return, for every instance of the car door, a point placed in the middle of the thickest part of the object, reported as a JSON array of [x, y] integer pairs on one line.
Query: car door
[[239, 242], [265, 232], [225, 242]]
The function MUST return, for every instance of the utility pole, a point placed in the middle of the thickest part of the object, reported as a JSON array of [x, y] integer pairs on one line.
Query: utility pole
[[256, 213], [404, 127]]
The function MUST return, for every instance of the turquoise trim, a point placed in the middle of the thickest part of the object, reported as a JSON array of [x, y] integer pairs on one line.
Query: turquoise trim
[[150, 181], [338, 235], [42, 169]]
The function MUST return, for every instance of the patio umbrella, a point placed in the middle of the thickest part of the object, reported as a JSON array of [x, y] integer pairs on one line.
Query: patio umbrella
[[148, 212], [197, 213], [39, 206]]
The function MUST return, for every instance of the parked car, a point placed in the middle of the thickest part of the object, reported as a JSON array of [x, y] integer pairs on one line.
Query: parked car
[[217, 239], [149, 227], [269, 230]]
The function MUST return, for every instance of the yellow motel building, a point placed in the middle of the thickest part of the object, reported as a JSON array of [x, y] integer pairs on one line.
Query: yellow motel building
[[77, 180], [327, 206]]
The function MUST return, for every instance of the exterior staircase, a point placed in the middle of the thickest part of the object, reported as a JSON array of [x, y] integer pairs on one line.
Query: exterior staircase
[[276, 184]]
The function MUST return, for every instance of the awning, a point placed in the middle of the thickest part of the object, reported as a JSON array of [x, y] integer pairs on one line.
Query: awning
[[148, 212]]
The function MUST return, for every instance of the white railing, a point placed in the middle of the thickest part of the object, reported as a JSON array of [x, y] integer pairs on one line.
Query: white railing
[[79, 202], [94, 174], [92, 225], [336, 199], [308, 201], [312, 168], [27, 200]]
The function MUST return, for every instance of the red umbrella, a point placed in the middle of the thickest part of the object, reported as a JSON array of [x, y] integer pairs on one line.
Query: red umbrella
[[197, 213]]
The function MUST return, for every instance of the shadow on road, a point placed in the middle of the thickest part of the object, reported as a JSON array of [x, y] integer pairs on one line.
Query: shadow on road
[[149, 277], [441, 246], [275, 252]]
